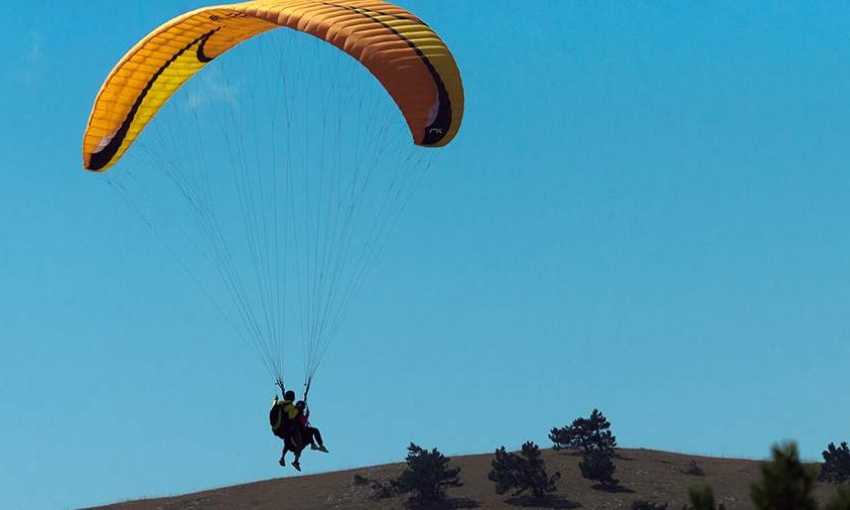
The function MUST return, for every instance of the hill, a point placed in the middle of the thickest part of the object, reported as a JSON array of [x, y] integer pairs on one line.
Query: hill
[[644, 474]]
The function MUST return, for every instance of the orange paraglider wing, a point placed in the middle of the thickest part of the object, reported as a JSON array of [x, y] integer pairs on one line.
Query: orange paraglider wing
[[402, 52]]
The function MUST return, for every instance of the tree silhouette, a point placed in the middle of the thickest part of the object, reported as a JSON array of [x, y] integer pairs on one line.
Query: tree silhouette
[[836, 464], [526, 471], [587, 434], [427, 475], [597, 465], [786, 482]]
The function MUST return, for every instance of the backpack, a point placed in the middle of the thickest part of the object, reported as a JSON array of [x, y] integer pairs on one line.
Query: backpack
[[274, 416], [279, 420]]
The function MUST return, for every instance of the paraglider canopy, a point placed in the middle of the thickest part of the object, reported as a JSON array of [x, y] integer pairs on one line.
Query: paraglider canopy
[[406, 55]]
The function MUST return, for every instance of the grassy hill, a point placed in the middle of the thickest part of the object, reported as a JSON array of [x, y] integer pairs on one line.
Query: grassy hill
[[643, 474]]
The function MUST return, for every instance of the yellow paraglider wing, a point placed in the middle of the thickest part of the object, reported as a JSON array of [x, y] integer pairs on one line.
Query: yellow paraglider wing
[[405, 55]]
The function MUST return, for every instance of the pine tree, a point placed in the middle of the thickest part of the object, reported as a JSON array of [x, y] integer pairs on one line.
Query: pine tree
[[836, 464], [597, 465], [526, 471], [585, 433], [427, 475], [786, 482], [702, 498]]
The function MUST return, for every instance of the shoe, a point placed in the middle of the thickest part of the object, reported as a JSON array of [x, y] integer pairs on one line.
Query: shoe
[[296, 465], [314, 447], [322, 449], [282, 461]]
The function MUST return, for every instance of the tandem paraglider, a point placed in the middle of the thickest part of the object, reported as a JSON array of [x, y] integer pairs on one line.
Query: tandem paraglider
[[287, 205]]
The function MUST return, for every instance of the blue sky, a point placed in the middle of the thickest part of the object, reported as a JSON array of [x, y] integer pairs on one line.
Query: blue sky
[[645, 211]]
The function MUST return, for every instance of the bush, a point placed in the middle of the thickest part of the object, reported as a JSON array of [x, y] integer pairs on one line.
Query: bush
[[597, 465], [786, 482], [526, 471], [585, 433], [702, 498], [693, 469], [836, 464], [380, 490], [426, 476], [648, 505]]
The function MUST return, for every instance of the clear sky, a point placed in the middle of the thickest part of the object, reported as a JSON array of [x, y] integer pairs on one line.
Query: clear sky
[[645, 211]]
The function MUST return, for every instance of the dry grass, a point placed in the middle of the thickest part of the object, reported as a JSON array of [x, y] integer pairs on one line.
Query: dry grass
[[643, 474]]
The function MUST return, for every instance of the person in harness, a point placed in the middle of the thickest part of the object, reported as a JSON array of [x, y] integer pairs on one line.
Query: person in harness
[[310, 435], [283, 418]]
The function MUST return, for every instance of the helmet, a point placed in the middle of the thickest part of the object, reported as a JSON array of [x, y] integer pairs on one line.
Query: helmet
[[289, 395], [300, 404]]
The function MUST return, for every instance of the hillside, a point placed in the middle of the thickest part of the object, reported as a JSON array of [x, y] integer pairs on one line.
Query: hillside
[[644, 474]]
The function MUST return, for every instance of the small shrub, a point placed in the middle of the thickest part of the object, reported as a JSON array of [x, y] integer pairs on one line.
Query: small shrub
[[427, 475], [597, 465], [702, 498], [586, 434], [648, 505], [526, 471], [836, 464], [382, 490], [786, 482], [694, 469]]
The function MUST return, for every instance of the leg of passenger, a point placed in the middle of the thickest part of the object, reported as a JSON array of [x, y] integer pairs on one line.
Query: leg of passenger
[[318, 436]]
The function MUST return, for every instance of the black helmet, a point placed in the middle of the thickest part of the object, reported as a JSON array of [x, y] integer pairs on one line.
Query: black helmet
[[289, 395]]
